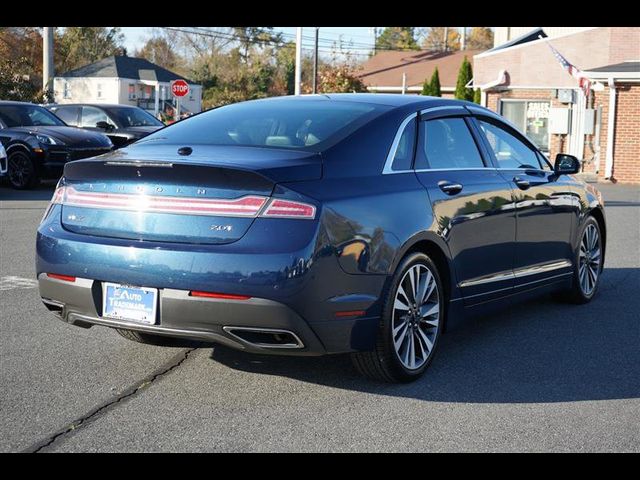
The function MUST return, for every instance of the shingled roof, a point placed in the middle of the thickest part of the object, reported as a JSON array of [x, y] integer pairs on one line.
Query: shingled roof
[[120, 66], [385, 69]]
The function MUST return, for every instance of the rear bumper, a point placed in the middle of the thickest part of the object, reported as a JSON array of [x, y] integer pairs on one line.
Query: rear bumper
[[295, 284], [182, 316]]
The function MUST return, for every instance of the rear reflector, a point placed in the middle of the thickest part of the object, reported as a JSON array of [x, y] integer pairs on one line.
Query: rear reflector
[[221, 296], [350, 313], [57, 276], [289, 209]]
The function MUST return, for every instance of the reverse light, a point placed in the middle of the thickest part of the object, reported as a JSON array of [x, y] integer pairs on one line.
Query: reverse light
[[219, 296], [289, 209], [65, 278]]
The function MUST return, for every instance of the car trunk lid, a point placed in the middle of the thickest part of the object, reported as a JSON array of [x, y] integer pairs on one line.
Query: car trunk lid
[[199, 199]]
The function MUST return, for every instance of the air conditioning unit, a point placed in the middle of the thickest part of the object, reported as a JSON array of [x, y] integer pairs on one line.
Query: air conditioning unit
[[559, 119]]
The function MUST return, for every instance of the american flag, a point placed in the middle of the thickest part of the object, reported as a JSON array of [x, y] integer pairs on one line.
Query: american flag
[[583, 82]]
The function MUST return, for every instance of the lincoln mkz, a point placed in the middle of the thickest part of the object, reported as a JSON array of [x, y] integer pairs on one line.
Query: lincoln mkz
[[352, 223]]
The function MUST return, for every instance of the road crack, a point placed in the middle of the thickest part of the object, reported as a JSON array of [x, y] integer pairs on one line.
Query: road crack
[[129, 392]]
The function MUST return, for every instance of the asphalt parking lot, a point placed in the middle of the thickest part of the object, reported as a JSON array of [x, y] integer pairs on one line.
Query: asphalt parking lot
[[540, 377]]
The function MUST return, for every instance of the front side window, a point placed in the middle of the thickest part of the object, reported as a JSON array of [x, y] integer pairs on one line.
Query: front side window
[[133, 117], [446, 143], [509, 151], [403, 157], [91, 116]]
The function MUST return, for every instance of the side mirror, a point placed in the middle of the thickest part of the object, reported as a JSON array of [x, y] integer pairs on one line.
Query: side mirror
[[566, 164], [104, 126]]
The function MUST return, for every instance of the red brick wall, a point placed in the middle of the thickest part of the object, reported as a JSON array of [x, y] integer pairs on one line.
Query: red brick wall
[[626, 154], [626, 151]]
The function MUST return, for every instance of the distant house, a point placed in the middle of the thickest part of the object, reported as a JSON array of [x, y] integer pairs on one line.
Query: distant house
[[383, 73], [126, 81]]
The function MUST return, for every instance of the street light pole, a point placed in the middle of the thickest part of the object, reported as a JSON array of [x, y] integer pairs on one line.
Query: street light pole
[[47, 61], [315, 63], [298, 78]]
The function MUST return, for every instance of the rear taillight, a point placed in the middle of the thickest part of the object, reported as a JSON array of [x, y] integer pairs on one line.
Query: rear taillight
[[289, 209], [56, 199], [247, 206]]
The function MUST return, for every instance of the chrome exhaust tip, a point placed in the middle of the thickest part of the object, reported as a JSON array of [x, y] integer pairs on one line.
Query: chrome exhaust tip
[[265, 337]]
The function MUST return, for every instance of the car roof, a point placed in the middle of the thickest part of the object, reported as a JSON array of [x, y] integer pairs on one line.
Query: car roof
[[97, 105], [15, 102], [386, 99]]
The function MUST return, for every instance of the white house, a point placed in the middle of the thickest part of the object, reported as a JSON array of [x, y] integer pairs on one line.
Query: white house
[[127, 81]]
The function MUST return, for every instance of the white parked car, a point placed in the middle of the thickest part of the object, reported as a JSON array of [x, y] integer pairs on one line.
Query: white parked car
[[3, 161]]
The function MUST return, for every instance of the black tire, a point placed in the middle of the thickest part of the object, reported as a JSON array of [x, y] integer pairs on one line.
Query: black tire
[[146, 338], [384, 363], [577, 294], [22, 172]]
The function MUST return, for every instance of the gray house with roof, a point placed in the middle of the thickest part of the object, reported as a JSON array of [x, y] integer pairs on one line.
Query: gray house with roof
[[126, 81]]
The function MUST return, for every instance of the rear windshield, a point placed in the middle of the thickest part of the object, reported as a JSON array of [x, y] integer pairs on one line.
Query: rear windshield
[[310, 124]]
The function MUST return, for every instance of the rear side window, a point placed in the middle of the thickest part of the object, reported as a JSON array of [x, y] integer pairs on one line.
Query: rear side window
[[446, 143], [295, 123], [510, 152], [68, 115], [403, 157]]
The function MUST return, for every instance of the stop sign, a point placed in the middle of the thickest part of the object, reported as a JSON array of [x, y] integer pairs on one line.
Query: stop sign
[[179, 88]]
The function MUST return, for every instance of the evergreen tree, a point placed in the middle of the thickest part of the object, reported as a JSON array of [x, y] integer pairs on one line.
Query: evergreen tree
[[435, 84], [426, 87], [464, 76], [477, 98]]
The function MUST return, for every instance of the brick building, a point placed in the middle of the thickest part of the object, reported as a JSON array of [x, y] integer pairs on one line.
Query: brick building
[[525, 83]]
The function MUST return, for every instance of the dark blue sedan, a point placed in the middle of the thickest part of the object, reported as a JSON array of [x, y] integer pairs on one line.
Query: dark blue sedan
[[319, 224]]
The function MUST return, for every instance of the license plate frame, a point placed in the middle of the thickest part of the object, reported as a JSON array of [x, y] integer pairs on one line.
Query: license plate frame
[[134, 304]]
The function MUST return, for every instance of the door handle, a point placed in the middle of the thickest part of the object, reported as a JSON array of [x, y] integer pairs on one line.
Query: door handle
[[521, 183], [450, 188]]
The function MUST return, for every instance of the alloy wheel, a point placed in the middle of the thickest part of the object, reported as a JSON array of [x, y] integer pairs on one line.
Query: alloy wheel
[[416, 316], [20, 170], [589, 260]]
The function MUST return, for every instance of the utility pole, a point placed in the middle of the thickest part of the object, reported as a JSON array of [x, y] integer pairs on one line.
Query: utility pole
[[446, 38], [315, 63], [375, 39], [463, 40], [47, 61], [298, 78]]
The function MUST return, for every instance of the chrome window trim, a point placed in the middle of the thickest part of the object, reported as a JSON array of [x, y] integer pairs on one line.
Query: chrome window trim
[[388, 164]]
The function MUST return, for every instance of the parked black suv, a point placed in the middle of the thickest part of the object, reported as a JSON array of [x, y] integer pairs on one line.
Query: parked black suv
[[123, 124], [38, 143]]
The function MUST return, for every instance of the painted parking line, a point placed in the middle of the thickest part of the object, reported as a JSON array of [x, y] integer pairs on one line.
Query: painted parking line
[[12, 283]]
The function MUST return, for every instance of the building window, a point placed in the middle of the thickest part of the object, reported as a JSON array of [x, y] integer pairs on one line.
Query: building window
[[99, 90], [66, 90], [132, 91], [531, 118]]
